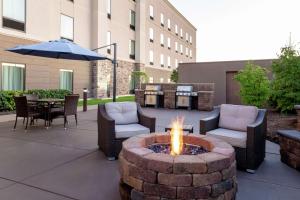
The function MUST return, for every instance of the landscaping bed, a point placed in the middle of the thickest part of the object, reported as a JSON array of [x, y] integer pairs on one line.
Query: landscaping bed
[[279, 121], [91, 102]]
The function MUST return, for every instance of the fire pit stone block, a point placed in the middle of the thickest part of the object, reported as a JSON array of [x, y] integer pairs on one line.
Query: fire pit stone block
[[187, 164], [175, 179], [206, 179], [160, 162]]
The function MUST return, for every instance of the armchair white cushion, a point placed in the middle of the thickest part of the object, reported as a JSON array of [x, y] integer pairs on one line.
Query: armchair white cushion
[[237, 117], [130, 130], [122, 112], [234, 138]]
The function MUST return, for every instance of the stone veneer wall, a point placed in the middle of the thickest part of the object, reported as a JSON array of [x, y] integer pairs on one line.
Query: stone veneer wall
[[158, 73], [102, 78]]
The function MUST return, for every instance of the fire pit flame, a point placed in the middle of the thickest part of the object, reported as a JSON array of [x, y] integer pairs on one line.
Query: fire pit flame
[[177, 137]]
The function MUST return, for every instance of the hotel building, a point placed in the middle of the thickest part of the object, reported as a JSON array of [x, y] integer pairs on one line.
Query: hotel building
[[152, 36]]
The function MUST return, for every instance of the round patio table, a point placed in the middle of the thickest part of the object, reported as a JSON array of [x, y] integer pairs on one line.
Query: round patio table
[[47, 104]]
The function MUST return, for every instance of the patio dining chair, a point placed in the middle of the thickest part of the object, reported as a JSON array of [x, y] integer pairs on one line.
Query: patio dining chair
[[69, 109], [24, 110], [31, 101], [31, 97]]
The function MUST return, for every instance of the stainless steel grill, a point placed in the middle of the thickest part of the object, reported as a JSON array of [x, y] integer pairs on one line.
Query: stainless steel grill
[[152, 93], [184, 96]]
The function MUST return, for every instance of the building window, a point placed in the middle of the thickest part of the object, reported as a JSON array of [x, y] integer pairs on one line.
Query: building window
[[151, 12], [181, 33], [187, 52], [151, 34], [162, 21], [108, 9], [187, 37], [150, 79], [162, 40], [13, 76], [161, 80], [191, 39], [169, 43], [66, 79], [169, 80], [151, 58], [181, 49], [176, 29], [191, 53], [131, 49], [132, 19], [14, 14], [176, 47], [67, 27], [162, 62], [176, 63], [108, 42], [169, 62], [169, 24]]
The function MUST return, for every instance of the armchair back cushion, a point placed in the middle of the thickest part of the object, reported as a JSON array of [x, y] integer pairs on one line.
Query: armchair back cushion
[[122, 112], [237, 117]]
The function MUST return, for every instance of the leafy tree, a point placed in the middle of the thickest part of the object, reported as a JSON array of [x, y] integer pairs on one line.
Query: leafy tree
[[255, 85], [138, 78], [286, 83], [174, 76]]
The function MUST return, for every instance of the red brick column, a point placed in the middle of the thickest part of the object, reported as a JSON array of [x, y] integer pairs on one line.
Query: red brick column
[[170, 99], [205, 100]]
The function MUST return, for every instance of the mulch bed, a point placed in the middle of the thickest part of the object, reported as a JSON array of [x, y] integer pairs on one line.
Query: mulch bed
[[277, 121]]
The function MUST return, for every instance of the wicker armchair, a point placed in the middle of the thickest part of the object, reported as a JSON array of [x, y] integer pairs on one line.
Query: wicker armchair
[[23, 109], [69, 108], [119, 121], [250, 143]]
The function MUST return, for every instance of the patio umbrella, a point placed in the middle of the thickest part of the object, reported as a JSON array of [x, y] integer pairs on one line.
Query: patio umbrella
[[65, 49], [59, 49]]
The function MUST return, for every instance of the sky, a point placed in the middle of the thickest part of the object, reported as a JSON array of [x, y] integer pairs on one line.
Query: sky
[[242, 29]]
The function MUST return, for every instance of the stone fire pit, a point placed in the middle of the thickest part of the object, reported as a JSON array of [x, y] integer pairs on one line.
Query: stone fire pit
[[149, 175]]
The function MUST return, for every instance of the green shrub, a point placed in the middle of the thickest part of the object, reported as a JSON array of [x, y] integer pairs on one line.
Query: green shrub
[[55, 93], [255, 85], [286, 83], [139, 77], [174, 76], [7, 102]]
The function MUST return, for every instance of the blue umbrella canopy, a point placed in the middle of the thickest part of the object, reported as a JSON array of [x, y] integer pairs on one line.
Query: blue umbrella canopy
[[59, 49]]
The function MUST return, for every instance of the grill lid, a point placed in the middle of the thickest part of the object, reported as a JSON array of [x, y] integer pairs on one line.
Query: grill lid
[[184, 88], [153, 88]]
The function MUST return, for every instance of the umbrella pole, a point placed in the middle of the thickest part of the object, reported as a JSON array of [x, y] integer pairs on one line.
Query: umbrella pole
[[115, 73]]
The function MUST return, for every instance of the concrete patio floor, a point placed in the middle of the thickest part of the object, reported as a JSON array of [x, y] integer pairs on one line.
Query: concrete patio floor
[[55, 164]]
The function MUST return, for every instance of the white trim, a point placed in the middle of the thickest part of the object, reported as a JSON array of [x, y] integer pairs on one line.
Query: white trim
[[66, 70], [14, 65]]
